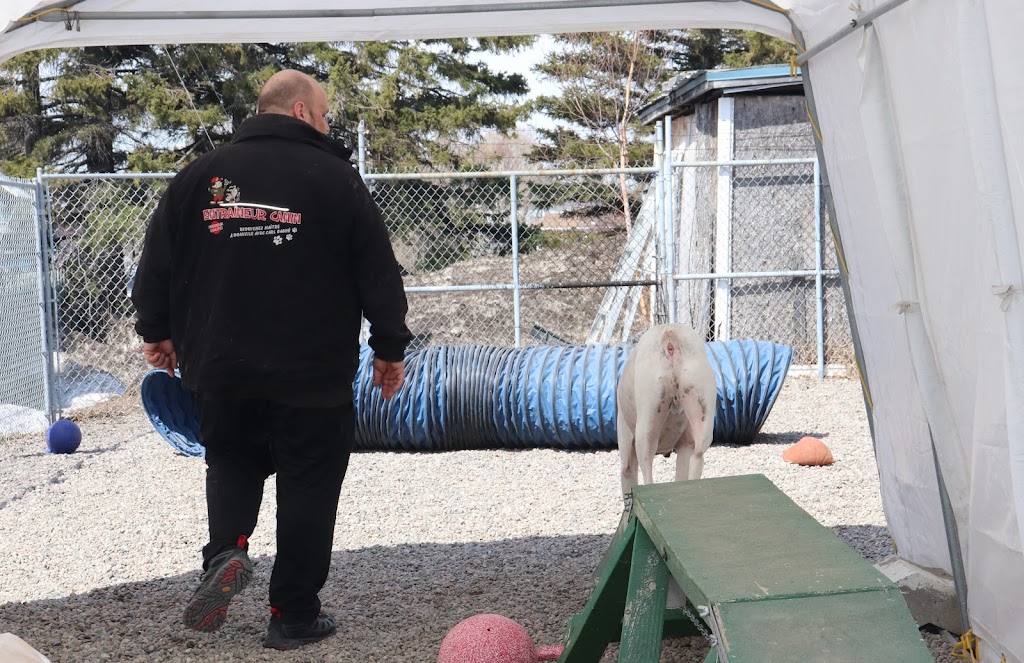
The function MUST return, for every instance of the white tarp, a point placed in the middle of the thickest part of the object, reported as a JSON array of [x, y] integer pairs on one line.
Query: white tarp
[[922, 124], [364, 21]]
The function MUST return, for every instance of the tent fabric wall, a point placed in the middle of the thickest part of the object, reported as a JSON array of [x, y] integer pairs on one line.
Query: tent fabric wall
[[921, 118], [951, 387]]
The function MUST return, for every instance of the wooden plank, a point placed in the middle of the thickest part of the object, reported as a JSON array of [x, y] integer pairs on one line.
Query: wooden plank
[[741, 539], [643, 618], [601, 620], [843, 628]]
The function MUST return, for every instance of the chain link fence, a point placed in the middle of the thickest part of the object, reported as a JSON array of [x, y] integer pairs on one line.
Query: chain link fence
[[514, 259], [97, 224], [509, 259], [24, 374], [756, 258]]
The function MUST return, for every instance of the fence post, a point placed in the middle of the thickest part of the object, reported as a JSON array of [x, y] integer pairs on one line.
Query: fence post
[[659, 222], [45, 306], [516, 294], [818, 249], [362, 148], [670, 235], [723, 221]]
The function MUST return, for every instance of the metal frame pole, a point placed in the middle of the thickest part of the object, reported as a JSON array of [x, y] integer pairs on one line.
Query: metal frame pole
[[850, 28], [516, 290], [670, 221], [664, 273], [723, 218], [362, 147], [43, 257], [818, 280], [51, 292]]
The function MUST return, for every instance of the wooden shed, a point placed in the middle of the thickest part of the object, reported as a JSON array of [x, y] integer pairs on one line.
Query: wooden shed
[[754, 256]]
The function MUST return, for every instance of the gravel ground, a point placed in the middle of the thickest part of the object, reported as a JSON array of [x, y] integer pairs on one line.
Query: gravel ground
[[99, 550]]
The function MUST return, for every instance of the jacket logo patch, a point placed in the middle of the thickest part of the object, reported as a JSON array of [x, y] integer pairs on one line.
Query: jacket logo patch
[[255, 219], [223, 191]]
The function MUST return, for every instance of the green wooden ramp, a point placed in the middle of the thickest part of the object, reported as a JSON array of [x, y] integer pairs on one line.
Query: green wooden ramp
[[768, 582]]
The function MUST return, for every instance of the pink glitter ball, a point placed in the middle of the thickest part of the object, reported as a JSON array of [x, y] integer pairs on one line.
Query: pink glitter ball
[[487, 639]]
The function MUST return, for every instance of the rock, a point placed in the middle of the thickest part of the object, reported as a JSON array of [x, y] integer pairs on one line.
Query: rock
[[808, 451]]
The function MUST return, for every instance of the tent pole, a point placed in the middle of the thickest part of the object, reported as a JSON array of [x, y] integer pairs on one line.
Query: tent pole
[[859, 22], [373, 12]]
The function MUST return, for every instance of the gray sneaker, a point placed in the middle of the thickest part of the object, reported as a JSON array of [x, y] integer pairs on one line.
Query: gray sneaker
[[227, 574], [283, 636]]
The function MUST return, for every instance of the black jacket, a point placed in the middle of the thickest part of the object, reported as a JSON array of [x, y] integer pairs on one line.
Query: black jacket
[[259, 262]]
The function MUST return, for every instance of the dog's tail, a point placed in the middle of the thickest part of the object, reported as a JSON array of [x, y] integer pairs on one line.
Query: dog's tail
[[671, 346]]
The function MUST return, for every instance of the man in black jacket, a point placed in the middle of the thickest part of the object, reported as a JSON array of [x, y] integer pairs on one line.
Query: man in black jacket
[[260, 262]]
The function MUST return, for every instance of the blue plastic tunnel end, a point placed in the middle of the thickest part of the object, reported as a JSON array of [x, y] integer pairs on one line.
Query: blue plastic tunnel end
[[172, 411], [477, 397], [749, 375]]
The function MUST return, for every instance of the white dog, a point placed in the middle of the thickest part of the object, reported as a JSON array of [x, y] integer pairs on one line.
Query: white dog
[[666, 400]]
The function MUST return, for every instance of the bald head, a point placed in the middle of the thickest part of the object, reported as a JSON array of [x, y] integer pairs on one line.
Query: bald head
[[295, 94]]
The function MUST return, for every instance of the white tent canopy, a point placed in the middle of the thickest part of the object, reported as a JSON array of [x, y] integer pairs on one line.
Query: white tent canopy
[[105, 22], [921, 118]]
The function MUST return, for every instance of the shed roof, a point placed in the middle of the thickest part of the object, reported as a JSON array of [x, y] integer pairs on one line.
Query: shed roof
[[686, 90]]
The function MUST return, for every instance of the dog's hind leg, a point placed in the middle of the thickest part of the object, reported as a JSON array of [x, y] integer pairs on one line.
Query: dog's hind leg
[[647, 434], [627, 459], [684, 452], [701, 430]]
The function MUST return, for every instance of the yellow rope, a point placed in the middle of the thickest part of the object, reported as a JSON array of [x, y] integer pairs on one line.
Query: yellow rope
[[814, 125], [967, 648], [867, 397], [43, 13]]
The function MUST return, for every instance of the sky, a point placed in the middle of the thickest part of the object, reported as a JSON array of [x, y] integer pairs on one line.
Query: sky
[[523, 63]]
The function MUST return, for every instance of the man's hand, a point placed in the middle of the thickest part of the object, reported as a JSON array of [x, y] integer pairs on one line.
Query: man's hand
[[389, 376], [161, 355]]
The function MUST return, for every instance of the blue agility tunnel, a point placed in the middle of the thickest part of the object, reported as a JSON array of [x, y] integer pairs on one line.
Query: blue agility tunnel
[[479, 397]]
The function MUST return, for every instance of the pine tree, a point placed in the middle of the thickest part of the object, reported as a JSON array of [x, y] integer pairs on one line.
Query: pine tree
[[66, 109], [22, 124], [196, 96], [425, 103], [697, 50], [157, 107], [758, 49], [427, 106]]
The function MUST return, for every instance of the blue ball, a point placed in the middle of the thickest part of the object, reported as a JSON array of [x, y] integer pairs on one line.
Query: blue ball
[[63, 437]]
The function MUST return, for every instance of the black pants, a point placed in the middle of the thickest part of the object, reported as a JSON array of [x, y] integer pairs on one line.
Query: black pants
[[308, 448]]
